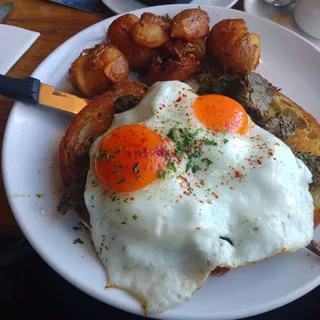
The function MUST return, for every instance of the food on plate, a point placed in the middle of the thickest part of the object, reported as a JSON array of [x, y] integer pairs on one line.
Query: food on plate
[[168, 49], [199, 49], [176, 61], [190, 24], [98, 68], [180, 181], [164, 20], [233, 46], [119, 33], [182, 184], [276, 113], [91, 122], [150, 31]]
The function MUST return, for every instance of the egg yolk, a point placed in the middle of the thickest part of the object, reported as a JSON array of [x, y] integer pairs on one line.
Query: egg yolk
[[221, 114], [129, 158]]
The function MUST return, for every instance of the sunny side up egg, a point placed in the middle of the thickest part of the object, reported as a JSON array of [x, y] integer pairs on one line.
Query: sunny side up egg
[[182, 184]]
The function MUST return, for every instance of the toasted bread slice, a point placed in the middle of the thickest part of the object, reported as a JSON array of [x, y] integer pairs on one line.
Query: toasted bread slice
[[304, 141], [90, 123], [275, 112]]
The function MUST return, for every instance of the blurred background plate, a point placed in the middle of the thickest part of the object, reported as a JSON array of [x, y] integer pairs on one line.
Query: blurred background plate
[[281, 15], [122, 6]]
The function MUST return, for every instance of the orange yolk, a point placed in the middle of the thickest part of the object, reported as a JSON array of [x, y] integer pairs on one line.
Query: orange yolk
[[221, 114], [129, 158]]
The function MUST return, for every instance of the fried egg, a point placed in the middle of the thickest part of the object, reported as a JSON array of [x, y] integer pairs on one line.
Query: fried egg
[[182, 184]]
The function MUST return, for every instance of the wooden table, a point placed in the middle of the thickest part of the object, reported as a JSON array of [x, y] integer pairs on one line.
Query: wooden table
[[56, 24]]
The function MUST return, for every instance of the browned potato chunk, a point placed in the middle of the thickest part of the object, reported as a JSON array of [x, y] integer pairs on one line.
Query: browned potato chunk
[[177, 48], [119, 33], [149, 34], [176, 62], [178, 69], [231, 44], [199, 49], [98, 68], [163, 21], [190, 24]]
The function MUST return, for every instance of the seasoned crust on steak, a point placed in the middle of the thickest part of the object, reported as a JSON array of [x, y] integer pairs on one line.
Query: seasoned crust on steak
[[91, 122]]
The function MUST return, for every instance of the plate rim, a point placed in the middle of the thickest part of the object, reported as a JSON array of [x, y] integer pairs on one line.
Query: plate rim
[[258, 309]]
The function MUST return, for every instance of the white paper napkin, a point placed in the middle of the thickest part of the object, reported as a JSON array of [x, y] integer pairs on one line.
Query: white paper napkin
[[14, 42]]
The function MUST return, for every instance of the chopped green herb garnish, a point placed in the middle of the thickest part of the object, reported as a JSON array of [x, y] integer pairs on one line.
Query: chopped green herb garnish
[[172, 135], [225, 140], [135, 217], [119, 150], [172, 167], [202, 182], [189, 165], [39, 195], [161, 174], [102, 154], [136, 168], [77, 241], [113, 199], [207, 161], [122, 180], [208, 142], [195, 168]]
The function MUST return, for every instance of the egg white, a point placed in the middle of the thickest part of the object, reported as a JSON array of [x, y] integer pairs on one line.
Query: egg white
[[163, 244]]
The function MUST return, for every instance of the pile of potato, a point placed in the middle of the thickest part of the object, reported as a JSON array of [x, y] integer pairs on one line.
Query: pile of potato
[[165, 48]]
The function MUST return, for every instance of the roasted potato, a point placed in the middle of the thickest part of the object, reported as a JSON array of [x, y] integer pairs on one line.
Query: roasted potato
[[177, 48], [233, 46], [119, 33], [163, 21], [98, 68], [190, 24], [179, 69], [176, 62], [199, 49], [150, 31]]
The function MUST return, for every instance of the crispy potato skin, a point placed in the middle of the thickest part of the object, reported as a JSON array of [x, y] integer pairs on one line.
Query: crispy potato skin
[[236, 49], [190, 24], [163, 21], [200, 49], [150, 31], [176, 62], [119, 33], [98, 68], [180, 69]]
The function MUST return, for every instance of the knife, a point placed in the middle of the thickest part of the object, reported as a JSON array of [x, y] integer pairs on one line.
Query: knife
[[32, 91], [4, 10]]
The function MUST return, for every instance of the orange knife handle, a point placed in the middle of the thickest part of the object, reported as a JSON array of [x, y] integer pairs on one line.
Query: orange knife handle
[[25, 90]]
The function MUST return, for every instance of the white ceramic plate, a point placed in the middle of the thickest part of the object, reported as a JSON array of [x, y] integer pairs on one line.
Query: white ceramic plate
[[122, 6], [281, 15], [31, 167]]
